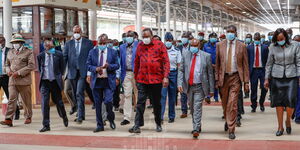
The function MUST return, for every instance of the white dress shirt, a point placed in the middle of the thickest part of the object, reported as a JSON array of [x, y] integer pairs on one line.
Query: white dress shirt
[[104, 75], [80, 43], [233, 57], [260, 63]]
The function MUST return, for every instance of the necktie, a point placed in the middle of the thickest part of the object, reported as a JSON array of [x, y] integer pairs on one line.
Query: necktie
[[101, 61], [50, 68], [191, 78], [229, 58], [1, 65], [257, 57], [77, 49]]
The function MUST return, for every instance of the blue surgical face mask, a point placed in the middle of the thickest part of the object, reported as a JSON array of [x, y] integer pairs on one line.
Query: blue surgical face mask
[[184, 40], [110, 45], [213, 40], [168, 44], [262, 40], [281, 42], [179, 44], [129, 40], [102, 47], [194, 50], [256, 42], [248, 40], [124, 39], [51, 51], [270, 38], [200, 38], [116, 48], [230, 36]]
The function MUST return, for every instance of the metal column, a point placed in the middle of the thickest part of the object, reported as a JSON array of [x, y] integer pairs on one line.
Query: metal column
[[138, 27], [7, 21], [93, 25], [158, 20], [197, 22], [174, 28], [187, 15], [168, 14]]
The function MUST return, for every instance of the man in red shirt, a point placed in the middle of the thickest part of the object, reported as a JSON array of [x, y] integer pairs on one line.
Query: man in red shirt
[[151, 71]]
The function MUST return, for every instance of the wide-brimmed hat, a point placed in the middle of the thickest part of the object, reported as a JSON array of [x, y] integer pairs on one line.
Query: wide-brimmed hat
[[17, 38]]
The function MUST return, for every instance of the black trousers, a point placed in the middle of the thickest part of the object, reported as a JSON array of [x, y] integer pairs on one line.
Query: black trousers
[[88, 90], [116, 99], [153, 91], [51, 88]]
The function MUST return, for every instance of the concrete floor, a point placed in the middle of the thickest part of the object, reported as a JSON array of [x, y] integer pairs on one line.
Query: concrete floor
[[259, 126]]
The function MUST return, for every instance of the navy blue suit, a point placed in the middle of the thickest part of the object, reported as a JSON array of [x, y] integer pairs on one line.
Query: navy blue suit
[[257, 74], [103, 88], [77, 71], [54, 87]]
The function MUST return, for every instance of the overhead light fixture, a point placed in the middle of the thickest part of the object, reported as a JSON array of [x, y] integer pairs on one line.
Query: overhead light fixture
[[243, 12], [228, 3]]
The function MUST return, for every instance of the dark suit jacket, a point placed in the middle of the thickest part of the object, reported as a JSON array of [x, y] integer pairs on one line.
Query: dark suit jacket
[[70, 57], [112, 60], [251, 52], [58, 67]]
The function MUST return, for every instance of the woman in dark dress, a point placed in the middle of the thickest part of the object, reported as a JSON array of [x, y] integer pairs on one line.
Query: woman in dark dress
[[283, 68]]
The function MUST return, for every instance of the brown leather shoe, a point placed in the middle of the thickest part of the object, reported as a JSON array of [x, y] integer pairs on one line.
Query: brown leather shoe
[[183, 116], [7, 122], [27, 121]]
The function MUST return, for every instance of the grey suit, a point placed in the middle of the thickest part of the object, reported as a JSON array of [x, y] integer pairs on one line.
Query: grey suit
[[283, 61], [196, 93]]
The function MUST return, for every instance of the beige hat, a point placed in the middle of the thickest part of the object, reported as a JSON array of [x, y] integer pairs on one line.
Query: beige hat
[[17, 38]]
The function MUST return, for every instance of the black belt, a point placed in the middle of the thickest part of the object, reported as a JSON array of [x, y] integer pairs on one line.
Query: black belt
[[129, 70], [196, 84], [230, 74], [259, 68]]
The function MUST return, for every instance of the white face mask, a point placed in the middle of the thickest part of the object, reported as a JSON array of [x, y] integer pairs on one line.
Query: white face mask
[[16, 46], [146, 40], [77, 36]]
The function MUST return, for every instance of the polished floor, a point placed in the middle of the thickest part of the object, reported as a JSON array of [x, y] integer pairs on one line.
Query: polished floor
[[256, 133]]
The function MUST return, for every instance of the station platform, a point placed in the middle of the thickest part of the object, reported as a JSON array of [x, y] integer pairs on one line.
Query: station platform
[[256, 133]]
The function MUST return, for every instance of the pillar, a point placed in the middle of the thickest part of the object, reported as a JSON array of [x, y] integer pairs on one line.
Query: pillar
[[168, 15], [138, 27], [187, 15], [158, 20], [93, 25], [174, 28], [7, 21]]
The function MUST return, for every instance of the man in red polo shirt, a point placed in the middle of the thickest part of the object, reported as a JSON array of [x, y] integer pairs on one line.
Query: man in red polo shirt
[[151, 71]]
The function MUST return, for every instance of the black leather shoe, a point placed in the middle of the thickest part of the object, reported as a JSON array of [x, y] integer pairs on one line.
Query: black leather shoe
[[231, 136], [98, 130], [262, 108], [288, 130], [158, 128], [73, 110], [134, 129], [171, 120], [225, 127], [279, 133], [112, 125], [238, 123], [253, 110], [223, 117], [161, 122], [93, 107], [78, 121], [17, 114], [45, 129], [125, 122], [195, 134], [66, 121]]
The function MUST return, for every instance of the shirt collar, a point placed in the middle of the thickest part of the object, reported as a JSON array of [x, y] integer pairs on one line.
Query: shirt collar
[[172, 49], [78, 40], [105, 51], [233, 42]]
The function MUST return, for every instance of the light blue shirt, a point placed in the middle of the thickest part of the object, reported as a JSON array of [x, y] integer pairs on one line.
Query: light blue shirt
[[80, 42], [197, 71], [185, 48], [48, 68], [174, 57]]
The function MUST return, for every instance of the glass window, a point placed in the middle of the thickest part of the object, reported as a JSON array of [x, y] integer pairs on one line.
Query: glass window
[[71, 14], [29, 43], [1, 21], [22, 19], [46, 20], [83, 21], [59, 21]]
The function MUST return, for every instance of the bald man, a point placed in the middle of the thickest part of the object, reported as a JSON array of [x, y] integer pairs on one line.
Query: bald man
[[197, 82]]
